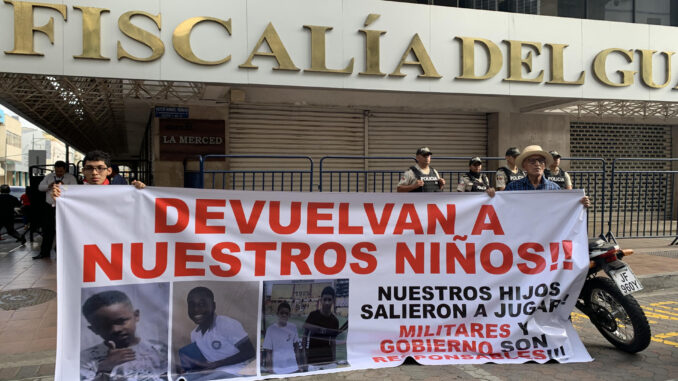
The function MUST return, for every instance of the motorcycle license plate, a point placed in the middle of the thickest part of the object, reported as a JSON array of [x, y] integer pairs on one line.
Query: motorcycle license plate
[[626, 280]]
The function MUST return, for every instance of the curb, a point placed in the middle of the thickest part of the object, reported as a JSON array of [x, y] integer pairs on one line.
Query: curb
[[660, 281]]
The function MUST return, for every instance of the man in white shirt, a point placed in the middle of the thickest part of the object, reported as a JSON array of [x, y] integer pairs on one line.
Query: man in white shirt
[[59, 176]]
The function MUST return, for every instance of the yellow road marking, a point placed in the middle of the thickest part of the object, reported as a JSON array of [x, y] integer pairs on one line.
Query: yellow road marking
[[663, 310], [660, 338], [662, 303], [649, 313], [664, 307]]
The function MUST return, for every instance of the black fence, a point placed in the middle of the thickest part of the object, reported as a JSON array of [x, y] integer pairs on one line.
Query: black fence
[[627, 201], [229, 172], [590, 175], [335, 177], [642, 198]]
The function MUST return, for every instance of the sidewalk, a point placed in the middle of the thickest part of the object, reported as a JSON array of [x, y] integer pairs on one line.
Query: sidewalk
[[28, 334], [654, 261]]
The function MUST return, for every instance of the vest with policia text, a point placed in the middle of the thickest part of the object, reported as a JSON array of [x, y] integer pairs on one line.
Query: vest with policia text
[[479, 183], [558, 179], [510, 176], [430, 180]]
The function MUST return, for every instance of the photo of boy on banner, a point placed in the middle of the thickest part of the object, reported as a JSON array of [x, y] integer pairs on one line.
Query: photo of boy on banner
[[134, 345], [215, 344], [305, 325]]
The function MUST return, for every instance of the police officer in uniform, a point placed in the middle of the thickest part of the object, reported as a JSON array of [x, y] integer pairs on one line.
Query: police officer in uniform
[[556, 174], [474, 180], [421, 177], [505, 175]]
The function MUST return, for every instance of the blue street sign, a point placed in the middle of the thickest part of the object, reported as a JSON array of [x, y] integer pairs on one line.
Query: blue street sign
[[171, 112]]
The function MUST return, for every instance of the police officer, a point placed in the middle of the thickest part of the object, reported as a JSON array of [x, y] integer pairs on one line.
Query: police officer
[[474, 180], [556, 174], [505, 175], [421, 177]]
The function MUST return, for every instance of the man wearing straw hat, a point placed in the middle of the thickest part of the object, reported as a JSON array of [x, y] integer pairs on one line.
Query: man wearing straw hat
[[533, 160]]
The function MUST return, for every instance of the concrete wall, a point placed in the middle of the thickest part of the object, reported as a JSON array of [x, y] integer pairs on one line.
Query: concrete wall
[[504, 130]]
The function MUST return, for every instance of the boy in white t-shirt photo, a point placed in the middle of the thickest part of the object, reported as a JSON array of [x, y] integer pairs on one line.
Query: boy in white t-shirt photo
[[219, 347], [282, 346]]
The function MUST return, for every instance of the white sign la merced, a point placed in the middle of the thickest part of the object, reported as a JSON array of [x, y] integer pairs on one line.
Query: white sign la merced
[[357, 44], [211, 283]]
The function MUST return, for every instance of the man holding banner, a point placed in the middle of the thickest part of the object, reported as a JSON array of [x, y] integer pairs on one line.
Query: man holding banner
[[96, 169], [533, 161]]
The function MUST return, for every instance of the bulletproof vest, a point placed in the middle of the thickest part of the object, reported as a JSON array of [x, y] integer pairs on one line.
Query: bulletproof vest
[[558, 179], [430, 180], [510, 176], [480, 184]]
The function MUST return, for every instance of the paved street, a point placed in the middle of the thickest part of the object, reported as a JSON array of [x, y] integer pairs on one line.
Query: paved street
[[28, 334]]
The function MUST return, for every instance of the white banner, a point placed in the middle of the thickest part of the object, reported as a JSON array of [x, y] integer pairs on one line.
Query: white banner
[[209, 284]]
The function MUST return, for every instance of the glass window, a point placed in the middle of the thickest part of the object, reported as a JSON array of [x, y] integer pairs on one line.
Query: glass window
[[479, 4], [572, 8], [519, 6], [446, 3], [611, 10], [656, 12]]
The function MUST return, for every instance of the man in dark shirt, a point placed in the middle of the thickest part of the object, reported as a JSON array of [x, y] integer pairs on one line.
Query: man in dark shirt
[[7, 205], [320, 332]]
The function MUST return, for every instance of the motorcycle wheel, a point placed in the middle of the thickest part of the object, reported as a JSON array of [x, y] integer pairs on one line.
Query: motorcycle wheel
[[618, 317]]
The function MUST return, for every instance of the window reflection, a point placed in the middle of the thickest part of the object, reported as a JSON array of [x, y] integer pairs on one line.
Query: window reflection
[[659, 12], [611, 10], [571, 8]]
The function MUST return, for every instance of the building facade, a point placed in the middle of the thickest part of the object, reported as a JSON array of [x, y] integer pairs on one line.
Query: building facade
[[163, 82]]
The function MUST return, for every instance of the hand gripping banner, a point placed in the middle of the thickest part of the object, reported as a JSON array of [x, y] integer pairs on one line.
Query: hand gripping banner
[[193, 284]]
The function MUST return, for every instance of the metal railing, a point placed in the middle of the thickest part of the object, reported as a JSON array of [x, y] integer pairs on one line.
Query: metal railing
[[593, 181], [214, 173], [337, 178], [340, 179], [642, 200], [633, 203]]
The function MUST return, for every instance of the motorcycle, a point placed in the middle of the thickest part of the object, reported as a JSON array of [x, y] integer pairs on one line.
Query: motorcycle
[[608, 301]]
